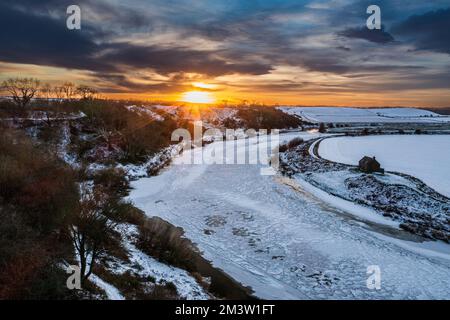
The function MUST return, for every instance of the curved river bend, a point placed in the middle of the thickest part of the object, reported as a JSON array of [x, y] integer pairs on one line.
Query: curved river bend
[[283, 241]]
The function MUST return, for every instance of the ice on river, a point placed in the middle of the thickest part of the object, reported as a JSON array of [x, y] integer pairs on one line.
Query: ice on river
[[282, 240]]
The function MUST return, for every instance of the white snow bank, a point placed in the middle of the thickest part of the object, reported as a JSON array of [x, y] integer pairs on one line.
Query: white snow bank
[[432, 249], [111, 292], [426, 157], [187, 286], [347, 206], [144, 111]]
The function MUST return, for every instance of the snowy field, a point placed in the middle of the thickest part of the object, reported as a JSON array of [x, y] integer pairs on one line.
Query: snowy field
[[426, 157], [277, 236], [356, 115]]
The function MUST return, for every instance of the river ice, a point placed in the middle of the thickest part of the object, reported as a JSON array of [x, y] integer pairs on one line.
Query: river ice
[[281, 239]]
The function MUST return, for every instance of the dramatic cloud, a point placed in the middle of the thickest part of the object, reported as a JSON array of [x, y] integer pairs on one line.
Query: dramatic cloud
[[429, 31], [376, 36], [165, 61], [46, 41], [279, 46]]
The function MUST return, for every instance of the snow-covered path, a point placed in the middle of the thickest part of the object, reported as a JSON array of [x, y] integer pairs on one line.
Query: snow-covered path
[[282, 240]]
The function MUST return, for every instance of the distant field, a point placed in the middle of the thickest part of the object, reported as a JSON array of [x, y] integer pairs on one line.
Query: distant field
[[426, 157], [357, 115], [444, 111]]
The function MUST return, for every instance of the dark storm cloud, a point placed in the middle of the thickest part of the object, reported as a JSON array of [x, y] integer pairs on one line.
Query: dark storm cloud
[[248, 37], [343, 48], [375, 36], [165, 61], [37, 39], [109, 13], [123, 85], [41, 40], [429, 31]]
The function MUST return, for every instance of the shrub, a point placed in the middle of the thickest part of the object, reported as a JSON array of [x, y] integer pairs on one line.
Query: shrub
[[322, 128], [165, 242], [38, 195], [122, 211], [112, 181], [113, 125], [283, 148], [34, 181], [290, 145], [295, 143], [266, 118]]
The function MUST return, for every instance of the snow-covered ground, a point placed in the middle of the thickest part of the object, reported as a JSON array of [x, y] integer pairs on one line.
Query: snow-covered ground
[[357, 115], [47, 116], [187, 286], [168, 109], [111, 292], [426, 157], [143, 111], [283, 240]]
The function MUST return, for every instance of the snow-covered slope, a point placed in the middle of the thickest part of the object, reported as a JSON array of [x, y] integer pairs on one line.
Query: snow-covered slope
[[357, 115], [404, 112], [282, 240], [426, 157], [145, 111]]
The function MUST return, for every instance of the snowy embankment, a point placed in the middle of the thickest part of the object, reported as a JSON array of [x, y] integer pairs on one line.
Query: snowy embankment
[[38, 116], [285, 242], [358, 115], [145, 111], [112, 293], [398, 197], [426, 157], [146, 266]]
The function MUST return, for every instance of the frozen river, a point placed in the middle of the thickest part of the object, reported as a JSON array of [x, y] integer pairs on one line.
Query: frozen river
[[269, 233]]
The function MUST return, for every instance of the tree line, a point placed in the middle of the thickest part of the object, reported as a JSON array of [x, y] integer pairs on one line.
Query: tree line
[[23, 90]]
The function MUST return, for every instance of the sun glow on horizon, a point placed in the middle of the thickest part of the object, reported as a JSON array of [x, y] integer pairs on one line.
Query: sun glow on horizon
[[203, 85], [198, 97]]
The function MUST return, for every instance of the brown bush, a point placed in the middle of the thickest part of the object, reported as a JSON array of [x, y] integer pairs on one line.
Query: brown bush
[[166, 243], [294, 143], [112, 181], [19, 272], [37, 195]]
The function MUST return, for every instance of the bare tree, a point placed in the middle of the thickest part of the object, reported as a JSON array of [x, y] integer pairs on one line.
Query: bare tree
[[69, 90], [90, 231], [59, 92], [86, 92], [46, 92], [22, 90]]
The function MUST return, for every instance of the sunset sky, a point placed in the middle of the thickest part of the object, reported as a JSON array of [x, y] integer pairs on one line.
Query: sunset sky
[[316, 52]]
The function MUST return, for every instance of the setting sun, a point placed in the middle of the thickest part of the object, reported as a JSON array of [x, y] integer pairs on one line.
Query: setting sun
[[197, 97], [203, 85]]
